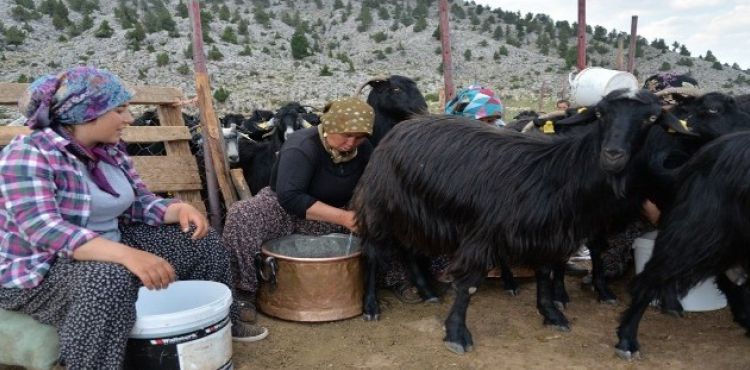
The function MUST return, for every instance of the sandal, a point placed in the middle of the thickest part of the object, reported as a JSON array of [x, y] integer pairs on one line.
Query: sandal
[[406, 293]]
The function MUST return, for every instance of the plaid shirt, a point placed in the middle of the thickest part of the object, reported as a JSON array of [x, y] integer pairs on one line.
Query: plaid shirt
[[46, 203]]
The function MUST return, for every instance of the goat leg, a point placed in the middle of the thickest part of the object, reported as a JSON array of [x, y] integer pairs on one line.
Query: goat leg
[[596, 246], [738, 298], [457, 336], [559, 295], [509, 282], [627, 346], [370, 305], [419, 273], [670, 301], [545, 301]]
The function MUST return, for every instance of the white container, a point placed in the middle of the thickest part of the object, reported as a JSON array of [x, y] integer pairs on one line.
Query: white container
[[590, 85], [703, 297], [185, 326]]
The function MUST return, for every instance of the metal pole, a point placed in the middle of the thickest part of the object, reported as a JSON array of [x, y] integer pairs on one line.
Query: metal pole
[[581, 35], [445, 39], [633, 37]]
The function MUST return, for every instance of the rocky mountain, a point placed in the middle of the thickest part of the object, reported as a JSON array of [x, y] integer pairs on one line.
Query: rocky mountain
[[265, 52]]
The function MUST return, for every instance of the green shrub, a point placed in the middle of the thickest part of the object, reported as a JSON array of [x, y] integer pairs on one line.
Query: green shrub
[[162, 59], [325, 71], [221, 95], [183, 69], [215, 54]]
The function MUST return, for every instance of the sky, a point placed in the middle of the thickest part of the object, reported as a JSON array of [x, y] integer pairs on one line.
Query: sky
[[722, 26]]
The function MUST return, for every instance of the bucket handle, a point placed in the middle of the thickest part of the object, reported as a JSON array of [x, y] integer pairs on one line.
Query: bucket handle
[[266, 269]]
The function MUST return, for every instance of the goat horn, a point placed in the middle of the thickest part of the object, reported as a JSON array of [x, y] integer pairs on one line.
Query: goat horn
[[362, 86], [691, 91], [555, 114]]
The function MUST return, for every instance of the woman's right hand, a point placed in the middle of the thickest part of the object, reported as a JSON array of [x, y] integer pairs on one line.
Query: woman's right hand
[[153, 271], [349, 221]]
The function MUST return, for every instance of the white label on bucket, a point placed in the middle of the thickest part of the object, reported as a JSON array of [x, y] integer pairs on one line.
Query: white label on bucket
[[207, 353]]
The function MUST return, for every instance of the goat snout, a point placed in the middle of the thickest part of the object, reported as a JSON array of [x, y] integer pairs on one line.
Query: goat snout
[[613, 160]]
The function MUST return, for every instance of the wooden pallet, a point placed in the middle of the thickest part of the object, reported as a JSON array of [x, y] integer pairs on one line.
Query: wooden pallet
[[176, 173]]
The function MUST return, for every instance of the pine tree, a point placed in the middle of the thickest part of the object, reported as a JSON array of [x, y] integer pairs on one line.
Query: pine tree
[[104, 31], [709, 56], [229, 35], [421, 25], [14, 36], [498, 34], [364, 18], [299, 45], [182, 10], [224, 13]]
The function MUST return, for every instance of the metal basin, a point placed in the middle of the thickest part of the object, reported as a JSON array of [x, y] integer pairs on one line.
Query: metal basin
[[311, 278]]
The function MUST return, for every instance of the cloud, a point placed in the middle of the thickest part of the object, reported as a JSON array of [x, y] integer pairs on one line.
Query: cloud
[[682, 5]]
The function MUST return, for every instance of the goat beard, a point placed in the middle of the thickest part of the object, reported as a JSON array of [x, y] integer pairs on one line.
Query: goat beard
[[619, 184]]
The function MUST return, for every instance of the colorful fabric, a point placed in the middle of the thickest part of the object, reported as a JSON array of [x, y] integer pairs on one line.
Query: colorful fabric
[[91, 158], [348, 115], [72, 97], [475, 102], [46, 203], [662, 81]]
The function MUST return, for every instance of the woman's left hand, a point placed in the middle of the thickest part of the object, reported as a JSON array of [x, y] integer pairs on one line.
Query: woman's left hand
[[186, 215]]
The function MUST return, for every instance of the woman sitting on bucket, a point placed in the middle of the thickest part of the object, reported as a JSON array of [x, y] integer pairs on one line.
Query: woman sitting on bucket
[[79, 230]]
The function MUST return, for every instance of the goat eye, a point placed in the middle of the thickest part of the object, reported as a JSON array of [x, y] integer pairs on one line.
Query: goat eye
[[598, 114], [653, 118], [713, 111]]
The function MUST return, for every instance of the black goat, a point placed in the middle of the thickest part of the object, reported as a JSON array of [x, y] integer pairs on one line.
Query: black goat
[[441, 185], [394, 99], [256, 157], [703, 235]]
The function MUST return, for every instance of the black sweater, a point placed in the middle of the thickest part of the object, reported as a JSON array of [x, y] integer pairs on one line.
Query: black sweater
[[304, 173]]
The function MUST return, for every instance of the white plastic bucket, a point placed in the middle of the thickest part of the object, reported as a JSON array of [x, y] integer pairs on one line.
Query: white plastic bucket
[[185, 326], [703, 297], [590, 85]]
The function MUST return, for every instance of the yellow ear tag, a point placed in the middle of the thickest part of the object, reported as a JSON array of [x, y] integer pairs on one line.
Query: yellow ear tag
[[548, 128], [581, 110], [684, 124]]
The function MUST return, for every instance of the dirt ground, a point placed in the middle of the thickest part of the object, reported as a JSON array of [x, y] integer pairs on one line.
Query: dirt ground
[[508, 333]]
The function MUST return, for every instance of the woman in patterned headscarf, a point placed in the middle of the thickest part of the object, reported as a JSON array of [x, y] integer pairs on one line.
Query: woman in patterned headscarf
[[80, 232], [311, 184]]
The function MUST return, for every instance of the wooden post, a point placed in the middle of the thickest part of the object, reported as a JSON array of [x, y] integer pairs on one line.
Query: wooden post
[[445, 39], [619, 60], [209, 124], [581, 35], [633, 39]]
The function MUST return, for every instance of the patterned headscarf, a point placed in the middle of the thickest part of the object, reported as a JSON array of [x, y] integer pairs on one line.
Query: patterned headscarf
[[345, 115], [75, 96], [662, 81], [348, 115], [475, 102]]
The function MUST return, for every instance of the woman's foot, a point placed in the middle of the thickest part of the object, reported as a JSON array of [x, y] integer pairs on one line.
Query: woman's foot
[[248, 313], [244, 332]]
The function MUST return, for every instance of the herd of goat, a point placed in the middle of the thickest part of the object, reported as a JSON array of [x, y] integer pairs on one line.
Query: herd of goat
[[520, 196]]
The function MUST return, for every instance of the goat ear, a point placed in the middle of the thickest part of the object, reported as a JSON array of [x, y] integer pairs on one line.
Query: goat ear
[[669, 121], [584, 115]]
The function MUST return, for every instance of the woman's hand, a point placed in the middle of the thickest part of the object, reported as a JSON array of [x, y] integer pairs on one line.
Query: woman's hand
[[153, 271], [186, 215], [349, 221], [651, 212]]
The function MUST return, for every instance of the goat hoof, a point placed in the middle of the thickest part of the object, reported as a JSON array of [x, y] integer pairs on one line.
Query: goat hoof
[[512, 292], [559, 305], [373, 317], [565, 328], [627, 355], [455, 347]]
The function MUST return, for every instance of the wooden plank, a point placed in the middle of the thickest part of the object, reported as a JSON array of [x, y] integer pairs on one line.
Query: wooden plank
[[172, 117], [238, 179], [10, 92], [133, 134], [168, 173]]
